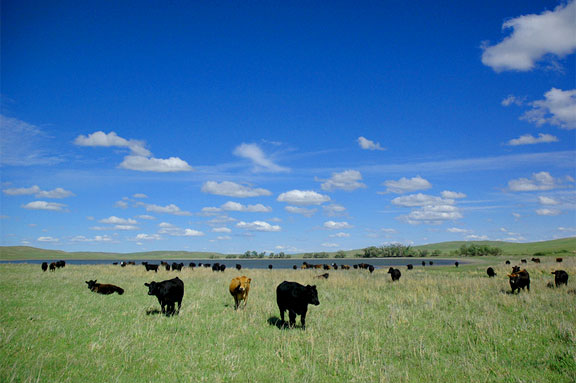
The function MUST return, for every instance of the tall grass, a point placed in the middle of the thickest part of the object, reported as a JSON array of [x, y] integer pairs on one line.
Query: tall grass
[[437, 324]]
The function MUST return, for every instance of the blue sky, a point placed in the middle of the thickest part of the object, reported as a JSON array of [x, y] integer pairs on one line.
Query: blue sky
[[294, 126]]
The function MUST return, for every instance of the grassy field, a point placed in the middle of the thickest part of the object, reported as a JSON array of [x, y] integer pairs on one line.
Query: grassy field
[[437, 324], [559, 247]]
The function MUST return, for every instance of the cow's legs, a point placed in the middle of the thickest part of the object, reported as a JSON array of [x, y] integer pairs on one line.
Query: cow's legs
[[292, 317]]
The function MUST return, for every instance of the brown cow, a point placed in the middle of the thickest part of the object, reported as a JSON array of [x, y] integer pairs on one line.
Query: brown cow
[[104, 289], [239, 288]]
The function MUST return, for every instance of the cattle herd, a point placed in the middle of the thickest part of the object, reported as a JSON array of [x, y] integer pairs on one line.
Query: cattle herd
[[290, 296]]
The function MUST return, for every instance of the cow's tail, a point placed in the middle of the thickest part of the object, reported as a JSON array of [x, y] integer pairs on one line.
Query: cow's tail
[[119, 290]]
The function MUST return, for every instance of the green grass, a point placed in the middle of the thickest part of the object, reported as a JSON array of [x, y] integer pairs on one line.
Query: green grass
[[437, 324], [559, 247]]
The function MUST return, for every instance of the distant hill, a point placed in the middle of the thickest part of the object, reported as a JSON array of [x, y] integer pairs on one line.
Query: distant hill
[[565, 246]]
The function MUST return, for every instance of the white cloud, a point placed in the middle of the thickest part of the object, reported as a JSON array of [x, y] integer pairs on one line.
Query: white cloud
[[406, 185], [232, 189], [112, 140], [261, 162], [367, 144], [330, 245], [550, 212], [258, 226], [146, 164], [192, 233], [140, 195], [538, 181], [303, 197], [452, 194], [168, 209], [347, 180], [528, 139], [340, 235], [140, 158], [331, 225], [23, 144], [57, 193], [558, 108], [533, 37], [235, 206], [121, 204], [569, 229], [47, 239], [148, 237], [147, 217], [301, 210], [458, 230], [43, 205], [223, 238], [511, 99], [420, 199], [477, 237], [547, 200], [165, 225], [432, 215], [97, 238], [118, 221], [334, 210], [125, 227], [221, 230]]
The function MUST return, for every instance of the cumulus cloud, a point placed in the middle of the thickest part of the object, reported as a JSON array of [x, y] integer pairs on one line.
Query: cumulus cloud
[[331, 225], [303, 197], [452, 194], [421, 200], [428, 209], [232, 189], [235, 206], [538, 181], [339, 235], [35, 190], [147, 217], [148, 237], [550, 212], [512, 100], [174, 231], [533, 37], [334, 210], [258, 226], [528, 139], [347, 180], [47, 239], [327, 244], [96, 238], [43, 205], [118, 221], [367, 144], [458, 230], [140, 195], [407, 185], [262, 163], [558, 108], [140, 158], [547, 200], [301, 210], [168, 209], [221, 230]]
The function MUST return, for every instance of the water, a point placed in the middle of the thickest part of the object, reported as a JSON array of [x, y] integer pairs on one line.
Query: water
[[263, 263]]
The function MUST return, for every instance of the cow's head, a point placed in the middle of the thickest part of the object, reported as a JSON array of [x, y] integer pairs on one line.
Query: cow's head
[[91, 284], [312, 295], [152, 288], [390, 270]]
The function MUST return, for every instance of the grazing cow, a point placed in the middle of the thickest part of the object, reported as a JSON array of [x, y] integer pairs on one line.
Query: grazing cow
[[519, 280], [238, 267], [456, 263], [177, 266], [560, 277], [132, 263], [270, 267], [239, 288], [523, 261], [60, 264], [222, 268], [167, 267], [507, 262], [335, 266], [114, 263], [52, 266], [168, 293], [103, 288], [535, 260], [122, 264], [558, 260], [216, 267], [295, 267], [410, 267], [345, 267], [395, 273], [150, 267], [431, 263], [490, 271], [326, 267], [355, 266], [325, 276], [192, 265], [44, 266], [370, 269], [294, 297], [423, 263]]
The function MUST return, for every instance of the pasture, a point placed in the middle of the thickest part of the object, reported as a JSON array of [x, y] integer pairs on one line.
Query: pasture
[[436, 324]]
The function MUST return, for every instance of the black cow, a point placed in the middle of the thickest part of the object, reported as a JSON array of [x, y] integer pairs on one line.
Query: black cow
[[216, 267], [104, 289], [177, 266], [490, 271], [60, 264], [238, 267], [192, 265], [270, 267], [222, 268], [167, 267], [371, 269], [560, 277], [431, 263], [423, 263], [519, 280], [168, 293], [507, 262], [515, 269], [409, 267], [44, 266], [558, 260], [52, 266], [150, 267], [294, 297], [295, 267], [456, 263], [395, 273], [523, 261], [325, 276]]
